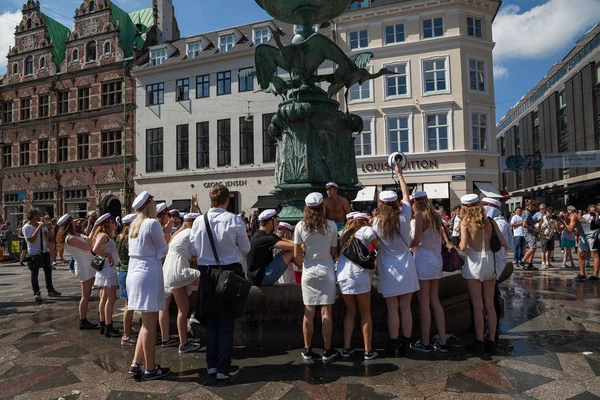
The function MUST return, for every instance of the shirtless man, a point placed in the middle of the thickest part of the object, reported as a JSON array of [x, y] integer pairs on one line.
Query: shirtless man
[[335, 207]]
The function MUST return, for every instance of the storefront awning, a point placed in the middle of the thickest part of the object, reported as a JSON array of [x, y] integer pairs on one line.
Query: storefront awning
[[181, 205], [436, 190], [592, 186], [488, 189], [367, 194], [266, 202]]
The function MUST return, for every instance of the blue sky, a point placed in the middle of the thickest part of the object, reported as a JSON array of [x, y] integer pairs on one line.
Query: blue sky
[[531, 35]]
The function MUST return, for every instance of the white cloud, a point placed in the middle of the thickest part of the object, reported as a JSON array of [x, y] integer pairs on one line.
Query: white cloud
[[8, 21], [543, 31]]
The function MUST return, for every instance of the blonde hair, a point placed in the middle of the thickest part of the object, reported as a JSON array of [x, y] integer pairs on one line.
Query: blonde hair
[[184, 226], [148, 212], [351, 228], [387, 218], [125, 232], [430, 216], [314, 220], [286, 234], [102, 228], [474, 215], [61, 235]]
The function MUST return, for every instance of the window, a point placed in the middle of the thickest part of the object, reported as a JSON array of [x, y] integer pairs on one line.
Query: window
[[476, 75], [246, 141], [223, 83], [226, 43], [112, 93], [43, 151], [360, 92], [433, 27], [41, 196], [111, 143], [43, 105], [183, 89], [154, 150], [202, 142], [7, 110], [479, 129], [202, 86], [359, 4], [92, 6], [158, 57], [261, 36], [394, 34], [399, 134], [183, 147], [435, 71], [7, 155], [83, 99], [474, 27], [15, 69], [224, 142], [359, 39], [437, 132], [193, 49], [29, 23], [90, 51], [363, 141], [397, 85], [269, 142], [43, 62], [75, 55], [83, 146], [107, 48], [25, 109], [62, 102], [24, 153], [155, 94], [63, 149], [29, 65], [246, 83], [563, 133]]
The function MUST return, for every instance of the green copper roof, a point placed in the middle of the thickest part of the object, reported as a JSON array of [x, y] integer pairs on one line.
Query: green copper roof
[[58, 34], [144, 18], [127, 35]]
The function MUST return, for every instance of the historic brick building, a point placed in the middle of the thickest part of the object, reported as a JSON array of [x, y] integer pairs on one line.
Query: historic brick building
[[68, 108]]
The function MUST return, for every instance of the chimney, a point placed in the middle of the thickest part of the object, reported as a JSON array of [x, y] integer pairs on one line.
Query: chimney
[[165, 15]]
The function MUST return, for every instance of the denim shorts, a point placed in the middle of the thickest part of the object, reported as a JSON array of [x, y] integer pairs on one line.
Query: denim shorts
[[122, 285], [274, 271]]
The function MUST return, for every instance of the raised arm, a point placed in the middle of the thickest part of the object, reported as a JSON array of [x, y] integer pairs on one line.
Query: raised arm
[[403, 185]]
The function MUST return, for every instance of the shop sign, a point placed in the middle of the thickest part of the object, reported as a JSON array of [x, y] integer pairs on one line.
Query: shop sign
[[21, 196], [410, 166], [412, 187], [458, 177], [208, 185]]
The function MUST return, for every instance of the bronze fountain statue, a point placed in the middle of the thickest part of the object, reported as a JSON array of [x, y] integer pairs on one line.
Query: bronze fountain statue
[[314, 138]]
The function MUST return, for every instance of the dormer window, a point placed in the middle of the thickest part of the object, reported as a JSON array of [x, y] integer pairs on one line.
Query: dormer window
[[261, 36], [107, 48], [43, 62], [29, 24], [29, 65], [226, 43], [193, 49], [92, 6], [158, 57], [75, 55], [90, 50]]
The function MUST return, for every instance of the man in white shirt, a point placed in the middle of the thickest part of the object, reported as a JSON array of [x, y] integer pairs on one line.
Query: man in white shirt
[[36, 235], [516, 223], [231, 244]]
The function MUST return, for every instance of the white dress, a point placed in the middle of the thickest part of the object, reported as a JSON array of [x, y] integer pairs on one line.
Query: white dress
[[428, 254], [145, 283], [352, 278], [83, 259], [176, 268], [107, 277], [479, 264], [318, 272], [397, 271]]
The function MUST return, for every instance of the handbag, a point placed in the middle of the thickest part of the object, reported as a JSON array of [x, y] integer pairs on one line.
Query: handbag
[[97, 262], [506, 273], [452, 261], [231, 287], [358, 253], [36, 261], [495, 244]]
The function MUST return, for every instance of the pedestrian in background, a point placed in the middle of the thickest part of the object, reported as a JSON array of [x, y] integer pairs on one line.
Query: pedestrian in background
[[516, 223], [123, 251], [530, 235]]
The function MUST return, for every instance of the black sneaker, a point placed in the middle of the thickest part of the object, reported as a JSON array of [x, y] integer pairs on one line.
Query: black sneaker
[[442, 348], [593, 278], [490, 347], [111, 332], [580, 278], [233, 371], [308, 355], [421, 347], [102, 328], [157, 373], [37, 296], [530, 267], [135, 371], [329, 355], [54, 293], [84, 324], [347, 353], [370, 355], [170, 343], [477, 347]]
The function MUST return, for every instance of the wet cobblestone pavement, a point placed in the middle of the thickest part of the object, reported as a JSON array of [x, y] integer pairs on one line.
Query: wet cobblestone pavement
[[549, 349]]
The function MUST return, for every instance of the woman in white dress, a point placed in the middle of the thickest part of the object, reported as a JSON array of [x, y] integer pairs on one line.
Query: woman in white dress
[[107, 278], [479, 270], [397, 272], [355, 285], [427, 231], [180, 279], [145, 285], [319, 237], [78, 246]]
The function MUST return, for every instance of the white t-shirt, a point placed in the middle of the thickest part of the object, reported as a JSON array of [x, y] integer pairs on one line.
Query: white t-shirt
[[456, 227], [35, 247], [517, 230], [317, 245]]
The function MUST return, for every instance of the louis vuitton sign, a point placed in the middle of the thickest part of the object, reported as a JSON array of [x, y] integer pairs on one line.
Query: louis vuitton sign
[[410, 166]]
